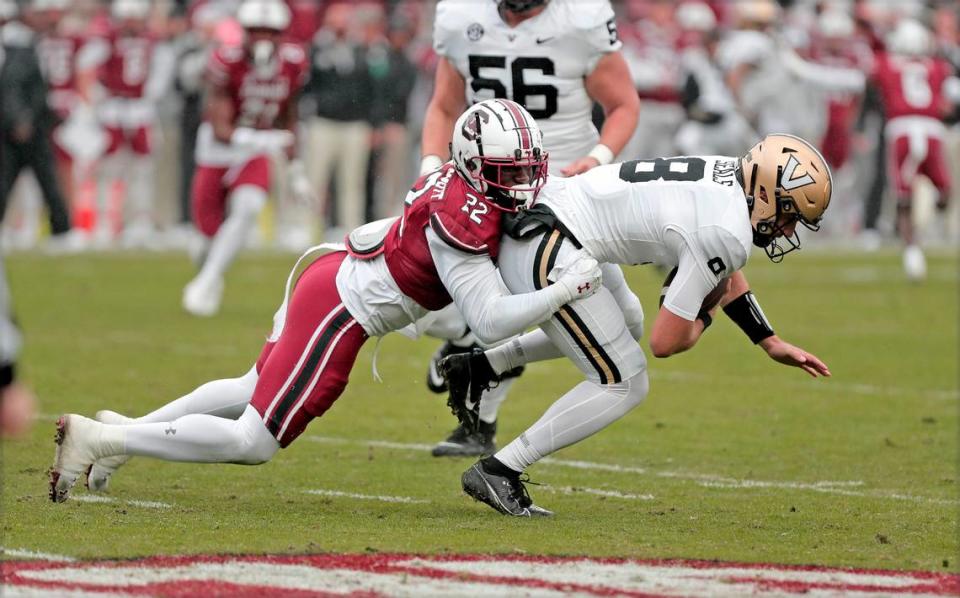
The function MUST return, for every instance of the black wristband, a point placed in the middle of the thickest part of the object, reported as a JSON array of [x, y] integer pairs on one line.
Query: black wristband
[[704, 316], [746, 313], [7, 375]]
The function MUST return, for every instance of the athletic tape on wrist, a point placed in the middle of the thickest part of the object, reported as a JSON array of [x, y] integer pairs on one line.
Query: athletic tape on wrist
[[602, 154], [746, 313]]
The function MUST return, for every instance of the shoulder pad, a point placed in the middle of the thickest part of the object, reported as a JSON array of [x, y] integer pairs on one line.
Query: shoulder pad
[[463, 218], [584, 14]]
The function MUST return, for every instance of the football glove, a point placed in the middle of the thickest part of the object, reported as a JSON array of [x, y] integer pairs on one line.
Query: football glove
[[581, 277]]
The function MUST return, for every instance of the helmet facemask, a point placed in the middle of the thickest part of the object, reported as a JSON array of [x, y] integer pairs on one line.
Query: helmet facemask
[[771, 234], [513, 185]]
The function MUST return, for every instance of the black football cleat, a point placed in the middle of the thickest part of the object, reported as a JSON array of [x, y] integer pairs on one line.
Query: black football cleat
[[505, 493], [436, 382], [467, 376], [463, 443]]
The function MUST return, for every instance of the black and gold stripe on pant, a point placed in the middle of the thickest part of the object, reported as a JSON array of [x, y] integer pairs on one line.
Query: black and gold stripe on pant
[[544, 261], [275, 422]]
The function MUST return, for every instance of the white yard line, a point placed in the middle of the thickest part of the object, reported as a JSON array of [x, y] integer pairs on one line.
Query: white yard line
[[595, 492], [706, 480], [339, 494], [146, 504], [21, 553]]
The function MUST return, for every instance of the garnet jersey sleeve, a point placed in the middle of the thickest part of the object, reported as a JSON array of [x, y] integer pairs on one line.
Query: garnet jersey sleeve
[[463, 218], [224, 62]]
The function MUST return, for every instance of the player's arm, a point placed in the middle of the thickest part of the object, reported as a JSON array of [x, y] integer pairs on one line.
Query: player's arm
[[611, 86], [742, 307], [449, 97], [491, 312]]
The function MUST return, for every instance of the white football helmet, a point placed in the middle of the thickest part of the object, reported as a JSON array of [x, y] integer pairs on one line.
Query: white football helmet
[[494, 138], [264, 14], [695, 16], [122, 10], [835, 23], [257, 17], [910, 38]]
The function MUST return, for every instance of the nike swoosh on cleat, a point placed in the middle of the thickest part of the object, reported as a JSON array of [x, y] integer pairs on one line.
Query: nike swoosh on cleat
[[543, 40]]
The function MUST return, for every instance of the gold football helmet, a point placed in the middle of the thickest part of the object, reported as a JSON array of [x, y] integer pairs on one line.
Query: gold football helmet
[[785, 180]]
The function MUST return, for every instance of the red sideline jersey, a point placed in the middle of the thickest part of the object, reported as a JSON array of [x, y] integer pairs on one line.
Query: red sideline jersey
[[458, 214], [259, 98], [58, 58], [911, 86], [126, 70]]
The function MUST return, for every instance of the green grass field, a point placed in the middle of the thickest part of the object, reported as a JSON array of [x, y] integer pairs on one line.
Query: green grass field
[[731, 457]]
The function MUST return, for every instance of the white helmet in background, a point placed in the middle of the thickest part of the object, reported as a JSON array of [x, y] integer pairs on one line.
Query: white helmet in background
[[8, 10], [264, 14], [910, 38], [48, 4], [122, 10], [494, 135], [696, 16], [263, 21], [835, 23]]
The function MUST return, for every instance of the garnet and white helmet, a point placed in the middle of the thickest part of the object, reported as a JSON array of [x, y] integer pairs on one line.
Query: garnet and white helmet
[[910, 38], [835, 23], [784, 176], [133, 10], [695, 16], [494, 139], [264, 14]]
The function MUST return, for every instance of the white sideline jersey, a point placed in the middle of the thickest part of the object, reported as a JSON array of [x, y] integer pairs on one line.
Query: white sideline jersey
[[686, 211], [541, 63]]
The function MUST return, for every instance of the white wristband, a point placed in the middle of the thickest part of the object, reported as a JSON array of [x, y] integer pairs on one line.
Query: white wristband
[[430, 163], [602, 154]]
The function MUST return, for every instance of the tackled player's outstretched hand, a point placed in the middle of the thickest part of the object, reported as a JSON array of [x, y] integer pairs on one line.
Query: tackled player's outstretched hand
[[787, 354], [581, 277]]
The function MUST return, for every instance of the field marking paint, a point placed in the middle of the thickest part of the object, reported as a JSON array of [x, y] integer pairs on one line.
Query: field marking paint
[[459, 575], [706, 480], [338, 493], [21, 553], [146, 504], [595, 491]]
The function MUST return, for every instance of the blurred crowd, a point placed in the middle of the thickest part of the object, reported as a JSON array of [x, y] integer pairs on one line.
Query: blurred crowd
[[106, 159]]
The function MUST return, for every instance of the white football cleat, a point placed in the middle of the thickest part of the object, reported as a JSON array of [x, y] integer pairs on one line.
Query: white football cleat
[[98, 475], [914, 263], [201, 298], [76, 438]]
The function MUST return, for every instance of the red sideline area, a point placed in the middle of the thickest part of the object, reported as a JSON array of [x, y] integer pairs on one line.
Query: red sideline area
[[12, 574]]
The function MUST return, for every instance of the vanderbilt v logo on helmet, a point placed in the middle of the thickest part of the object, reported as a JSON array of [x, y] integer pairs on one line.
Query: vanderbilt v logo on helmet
[[784, 176]]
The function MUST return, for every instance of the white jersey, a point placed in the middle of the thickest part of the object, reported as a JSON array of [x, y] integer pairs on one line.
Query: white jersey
[[687, 211], [541, 63]]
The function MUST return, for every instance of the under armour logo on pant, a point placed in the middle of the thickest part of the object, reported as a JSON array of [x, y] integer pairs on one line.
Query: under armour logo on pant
[[170, 430], [584, 287]]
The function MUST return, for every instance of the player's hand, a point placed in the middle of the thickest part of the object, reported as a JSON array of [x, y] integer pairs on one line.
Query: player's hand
[[582, 278], [17, 407], [580, 166], [787, 354]]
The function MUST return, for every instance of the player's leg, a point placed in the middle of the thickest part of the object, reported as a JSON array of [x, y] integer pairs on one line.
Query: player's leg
[[936, 169], [594, 334], [247, 194], [462, 442], [304, 371], [139, 230], [904, 164]]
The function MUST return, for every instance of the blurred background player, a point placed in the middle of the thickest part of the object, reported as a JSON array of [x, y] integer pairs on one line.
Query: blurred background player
[[134, 75], [555, 58], [251, 114], [916, 88]]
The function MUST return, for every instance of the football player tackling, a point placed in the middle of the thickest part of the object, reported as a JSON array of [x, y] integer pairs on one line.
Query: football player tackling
[[556, 58], [698, 214], [391, 274]]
